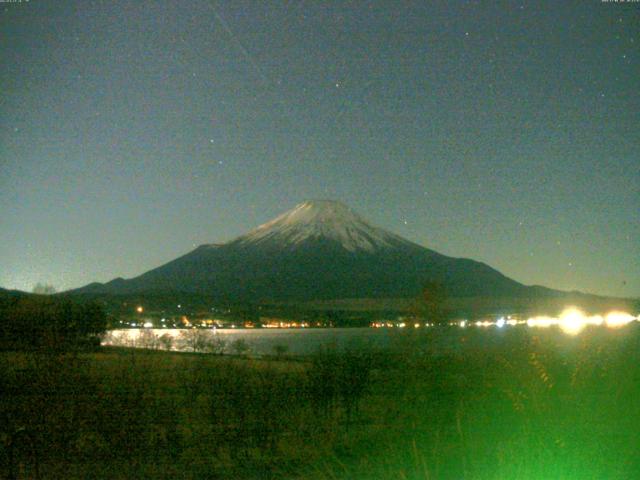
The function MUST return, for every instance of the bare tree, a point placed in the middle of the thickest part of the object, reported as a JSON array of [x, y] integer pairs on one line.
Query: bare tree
[[215, 344], [194, 339], [166, 341], [148, 339]]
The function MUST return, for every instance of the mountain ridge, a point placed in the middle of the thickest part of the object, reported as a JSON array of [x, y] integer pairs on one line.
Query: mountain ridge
[[319, 250]]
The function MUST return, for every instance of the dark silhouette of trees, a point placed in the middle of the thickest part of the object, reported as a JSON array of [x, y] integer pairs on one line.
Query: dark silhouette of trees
[[35, 322], [166, 340], [240, 347], [339, 377], [430, 305], [194, 340], [215, 344], [148, 339]]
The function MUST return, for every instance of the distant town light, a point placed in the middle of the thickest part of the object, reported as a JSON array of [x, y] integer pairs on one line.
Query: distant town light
[[139, 309], [543, 322]]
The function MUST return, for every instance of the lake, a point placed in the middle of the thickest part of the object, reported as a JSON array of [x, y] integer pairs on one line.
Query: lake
[[304, 341]]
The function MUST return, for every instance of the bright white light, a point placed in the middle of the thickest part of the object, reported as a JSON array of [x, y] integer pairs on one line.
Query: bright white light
[[463, 323], [543, 322], [483, 323], [617, 319], [572, 321], [500, 322], [148, 325]]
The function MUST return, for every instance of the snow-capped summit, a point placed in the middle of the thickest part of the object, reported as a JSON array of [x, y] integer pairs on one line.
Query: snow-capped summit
[[322, 219]]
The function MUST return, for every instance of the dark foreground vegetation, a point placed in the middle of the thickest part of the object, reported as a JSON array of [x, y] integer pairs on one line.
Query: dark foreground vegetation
[[49, 324], [531, 405]]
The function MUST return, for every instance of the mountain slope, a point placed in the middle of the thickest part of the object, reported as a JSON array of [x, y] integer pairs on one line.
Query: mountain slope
[[318, 250]]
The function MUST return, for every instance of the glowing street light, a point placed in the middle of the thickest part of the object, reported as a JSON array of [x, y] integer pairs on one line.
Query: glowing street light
[[572, 321]]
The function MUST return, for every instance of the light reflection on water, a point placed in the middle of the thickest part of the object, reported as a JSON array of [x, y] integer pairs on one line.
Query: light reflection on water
[[264, 341]]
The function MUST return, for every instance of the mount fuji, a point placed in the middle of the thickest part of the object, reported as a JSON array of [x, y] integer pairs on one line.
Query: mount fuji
[[319, 250]]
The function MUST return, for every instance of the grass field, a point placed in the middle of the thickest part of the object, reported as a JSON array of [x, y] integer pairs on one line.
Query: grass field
[[536, 405]]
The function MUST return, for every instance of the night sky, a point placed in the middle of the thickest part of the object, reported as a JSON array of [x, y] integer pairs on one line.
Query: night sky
[[507, 132]]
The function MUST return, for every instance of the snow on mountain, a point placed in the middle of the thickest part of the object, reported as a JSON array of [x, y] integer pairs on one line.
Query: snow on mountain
[[324, 219]]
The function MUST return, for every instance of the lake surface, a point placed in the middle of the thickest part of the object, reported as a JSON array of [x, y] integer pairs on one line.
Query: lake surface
[[264, 341], [308, 341]]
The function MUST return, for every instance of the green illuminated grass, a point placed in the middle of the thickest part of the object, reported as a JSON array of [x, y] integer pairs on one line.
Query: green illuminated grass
[[528, 405]]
